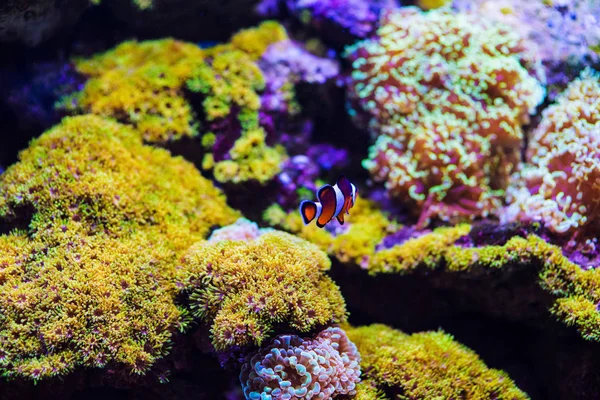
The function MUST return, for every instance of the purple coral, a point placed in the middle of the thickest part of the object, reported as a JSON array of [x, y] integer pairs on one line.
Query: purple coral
[[295, 368], [286, 63], [301, 171], [560, 28], [337, 20]]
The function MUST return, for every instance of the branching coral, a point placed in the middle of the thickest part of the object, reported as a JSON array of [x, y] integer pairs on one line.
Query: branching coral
[[576, 290], [445, 95], [355, 241], [322, 367], [429, 365], [561, 184], [243, 289], [87, 273]]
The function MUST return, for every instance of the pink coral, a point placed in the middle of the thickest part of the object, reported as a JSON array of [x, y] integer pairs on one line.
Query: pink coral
[[561, 184], [242, 229], [445, 95], [295, 368]]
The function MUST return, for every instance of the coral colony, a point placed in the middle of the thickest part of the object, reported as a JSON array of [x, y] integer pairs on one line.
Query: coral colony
[[159, 174]]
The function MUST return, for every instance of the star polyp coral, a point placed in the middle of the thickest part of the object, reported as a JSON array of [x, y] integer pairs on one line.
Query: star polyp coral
[[243, 289]]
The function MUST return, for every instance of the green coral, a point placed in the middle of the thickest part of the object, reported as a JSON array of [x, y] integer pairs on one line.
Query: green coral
[[244, 289], [87, 274], [230, 81], [576, 290], [367, 226], [428, 365], [143, 85], [98, 172]]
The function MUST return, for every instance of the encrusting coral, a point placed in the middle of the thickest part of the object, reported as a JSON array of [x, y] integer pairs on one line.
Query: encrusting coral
[[291, 367], [576, 290], [560, 185], [428, 365], [244, 289], [97, 221], [445, 94]]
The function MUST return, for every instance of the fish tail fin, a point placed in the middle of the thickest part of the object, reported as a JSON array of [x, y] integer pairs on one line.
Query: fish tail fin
[[309, 210]]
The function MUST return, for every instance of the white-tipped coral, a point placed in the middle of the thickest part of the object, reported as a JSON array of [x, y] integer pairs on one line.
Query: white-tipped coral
[[295, 368], [561, 185]]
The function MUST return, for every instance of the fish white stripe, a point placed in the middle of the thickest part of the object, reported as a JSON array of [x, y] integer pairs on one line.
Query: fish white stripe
[[339, 201]]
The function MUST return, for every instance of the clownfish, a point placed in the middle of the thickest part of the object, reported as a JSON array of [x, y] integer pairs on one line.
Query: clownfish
[[332, 202]]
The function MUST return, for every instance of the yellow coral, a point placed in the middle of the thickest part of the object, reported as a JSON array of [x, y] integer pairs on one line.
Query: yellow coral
[[254, 41], [429, 365], [141, 84], [242, 289], [367, 226], [432, 4], [577, 290], [98, 171], [87, 276], [425, 250]]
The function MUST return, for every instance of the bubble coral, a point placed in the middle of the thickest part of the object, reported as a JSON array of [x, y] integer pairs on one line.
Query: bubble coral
[[445, 95], [290, 367], [97, 221], [243, 289], [560, 186], [427, 365]]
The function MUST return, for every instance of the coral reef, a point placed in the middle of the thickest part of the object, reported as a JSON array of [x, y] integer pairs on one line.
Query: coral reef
[[339, 21], [560, 29], [560, 185], [424, 366], [291, 367], [141, 84], [353, 242], [445, 95], [245, 88], [244, 289], [93, 222], [574, 289]]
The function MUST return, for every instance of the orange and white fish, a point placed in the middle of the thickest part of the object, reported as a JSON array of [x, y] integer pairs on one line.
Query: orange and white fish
[[332, 202]]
